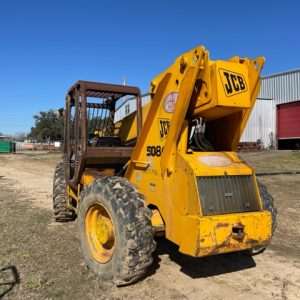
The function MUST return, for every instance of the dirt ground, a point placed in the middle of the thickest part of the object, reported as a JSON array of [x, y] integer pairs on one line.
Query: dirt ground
[[40, 259]]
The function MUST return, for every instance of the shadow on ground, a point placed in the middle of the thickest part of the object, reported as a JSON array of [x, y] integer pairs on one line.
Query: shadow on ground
[[9, 278], [204, 266]]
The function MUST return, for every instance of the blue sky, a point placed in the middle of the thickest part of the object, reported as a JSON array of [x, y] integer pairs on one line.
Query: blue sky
[[47, 45]]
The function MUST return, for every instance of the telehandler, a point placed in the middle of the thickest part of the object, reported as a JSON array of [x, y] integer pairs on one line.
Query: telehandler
[[170, 168]]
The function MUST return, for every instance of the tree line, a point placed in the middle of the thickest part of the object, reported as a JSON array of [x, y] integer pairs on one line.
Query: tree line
[[49, 126]]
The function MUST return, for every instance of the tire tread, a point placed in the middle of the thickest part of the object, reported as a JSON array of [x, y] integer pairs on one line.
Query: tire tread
[[134, 219], [61, 212]]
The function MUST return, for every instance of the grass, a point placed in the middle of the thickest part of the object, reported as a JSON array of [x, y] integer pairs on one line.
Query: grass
[[273, 161], [46, 256]]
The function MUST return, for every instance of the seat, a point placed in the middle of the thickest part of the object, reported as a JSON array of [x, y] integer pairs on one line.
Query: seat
[[108, 141]]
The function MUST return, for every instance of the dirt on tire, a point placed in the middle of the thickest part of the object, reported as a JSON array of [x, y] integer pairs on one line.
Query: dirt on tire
[[133, 232], [61, 212], [268, 204]]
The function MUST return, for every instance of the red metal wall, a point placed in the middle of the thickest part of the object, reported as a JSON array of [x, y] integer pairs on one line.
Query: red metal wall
[[288, 120]]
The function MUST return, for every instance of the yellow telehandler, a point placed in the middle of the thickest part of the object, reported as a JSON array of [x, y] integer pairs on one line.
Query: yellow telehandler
[[170, 168]]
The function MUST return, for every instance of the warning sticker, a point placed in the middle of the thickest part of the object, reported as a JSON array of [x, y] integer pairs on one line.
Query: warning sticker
[[170, 101]]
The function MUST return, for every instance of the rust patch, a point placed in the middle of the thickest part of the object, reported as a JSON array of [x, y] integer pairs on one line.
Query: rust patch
[[220, 225], [219, 249], [226, 246], [232, 247], [198, 245], [252, 241]]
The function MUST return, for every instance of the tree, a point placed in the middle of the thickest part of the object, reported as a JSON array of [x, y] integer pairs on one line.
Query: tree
[[49, 126], [20, 136]]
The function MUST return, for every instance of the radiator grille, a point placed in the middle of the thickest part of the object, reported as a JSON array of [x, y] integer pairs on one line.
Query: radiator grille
[[227, 194]]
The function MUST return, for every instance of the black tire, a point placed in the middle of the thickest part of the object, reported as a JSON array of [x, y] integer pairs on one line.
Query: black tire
[[268, 204], [61, 212], [133, 231]]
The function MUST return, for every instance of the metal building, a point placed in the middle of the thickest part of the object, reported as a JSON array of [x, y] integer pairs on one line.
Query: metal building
[[275, 119], [129, 106]]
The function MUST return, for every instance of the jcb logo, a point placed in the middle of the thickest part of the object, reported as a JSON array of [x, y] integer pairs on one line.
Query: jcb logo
[[163, 125], [233, 83]]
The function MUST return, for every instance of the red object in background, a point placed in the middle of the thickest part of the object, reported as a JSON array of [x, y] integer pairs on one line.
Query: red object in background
[[288, 120]]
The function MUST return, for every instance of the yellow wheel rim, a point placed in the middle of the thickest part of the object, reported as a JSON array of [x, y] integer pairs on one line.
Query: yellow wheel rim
[[100, 233]]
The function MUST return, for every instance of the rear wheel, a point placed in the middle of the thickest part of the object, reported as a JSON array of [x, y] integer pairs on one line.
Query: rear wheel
[[268, 204], [61, 212], [115, 231]]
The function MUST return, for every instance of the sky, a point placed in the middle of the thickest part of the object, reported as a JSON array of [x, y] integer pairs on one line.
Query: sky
[[46, 46]]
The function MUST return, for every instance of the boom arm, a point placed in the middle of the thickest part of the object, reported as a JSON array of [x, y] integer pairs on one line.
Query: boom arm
[[222, 93]]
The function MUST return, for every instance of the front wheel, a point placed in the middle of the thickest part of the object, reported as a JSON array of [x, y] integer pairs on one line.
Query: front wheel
[[115, 231]]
